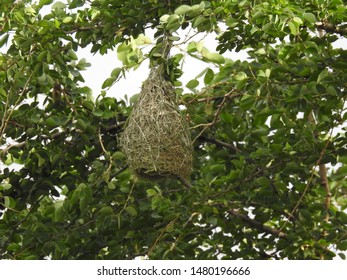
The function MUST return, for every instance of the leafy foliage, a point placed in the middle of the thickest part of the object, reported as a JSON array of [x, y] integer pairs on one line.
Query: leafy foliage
[[269, 132]]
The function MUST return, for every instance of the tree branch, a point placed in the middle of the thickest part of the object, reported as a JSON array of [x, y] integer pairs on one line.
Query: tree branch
[[221, 144], [325, 184], [11, 231], [160, 235], [229, 95], [215, 119], [185, 182], [257, 224], [115, 126], [330, 27], [322, 171], [54, 136]]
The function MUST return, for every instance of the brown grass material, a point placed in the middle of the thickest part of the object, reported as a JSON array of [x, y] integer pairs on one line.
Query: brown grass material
[[156, 139]]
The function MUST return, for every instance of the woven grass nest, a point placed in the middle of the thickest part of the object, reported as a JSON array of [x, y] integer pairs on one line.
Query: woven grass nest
[[156, 140]]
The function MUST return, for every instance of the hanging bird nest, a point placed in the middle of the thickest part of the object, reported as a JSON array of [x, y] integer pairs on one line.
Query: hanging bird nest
[[156, 140]]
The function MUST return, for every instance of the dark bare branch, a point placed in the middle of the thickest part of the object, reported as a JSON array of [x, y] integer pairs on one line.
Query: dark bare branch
[[258, 225], [221, 144], [331, 28]]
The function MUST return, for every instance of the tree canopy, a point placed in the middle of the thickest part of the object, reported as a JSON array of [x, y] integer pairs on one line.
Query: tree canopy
[[269, 133]]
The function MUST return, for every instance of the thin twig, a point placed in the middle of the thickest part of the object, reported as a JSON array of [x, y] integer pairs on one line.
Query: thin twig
[[7, 116], [318, 163], [324, 181], [322, 172], [126, 202], [185, 182], [14, 227], [229, 95], [160, 235], [16, 145], [219, 110], [107, 155], [221, 144]]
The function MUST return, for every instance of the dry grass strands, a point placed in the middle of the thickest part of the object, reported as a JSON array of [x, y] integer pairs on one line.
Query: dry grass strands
[[156, 140]]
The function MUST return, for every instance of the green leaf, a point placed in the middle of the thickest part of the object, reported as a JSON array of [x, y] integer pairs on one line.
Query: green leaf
[[105, 211], [164, 18], [143, 40], [134, 99], [108, 82], [263, 181], [298, 20], [2, 91], [88, 104], [209, 108], [72, 54], [76, 194], [213, 57], [151, 192], [311, 18], [342, 216], [131, 211], [212, 221], [81, 124], [322, 75], [58, 5], [240, 76], [52, 122], [267, 26], [59, 211], [192, 47], [174, 38], [198, 21], [208, 76], [293, 28], [118, 155], [183, 9], [45, 2], [122, 52], [111, 185], [5, 186], [76, 3], [7, 202], [192, 84], [42, 56], [217, 168], [86, 197], [67, 19], [116, 72], [155, 202], [56, 158], [95, 13], [4, 39], [342, 256], [247, 101], [342, 245]]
